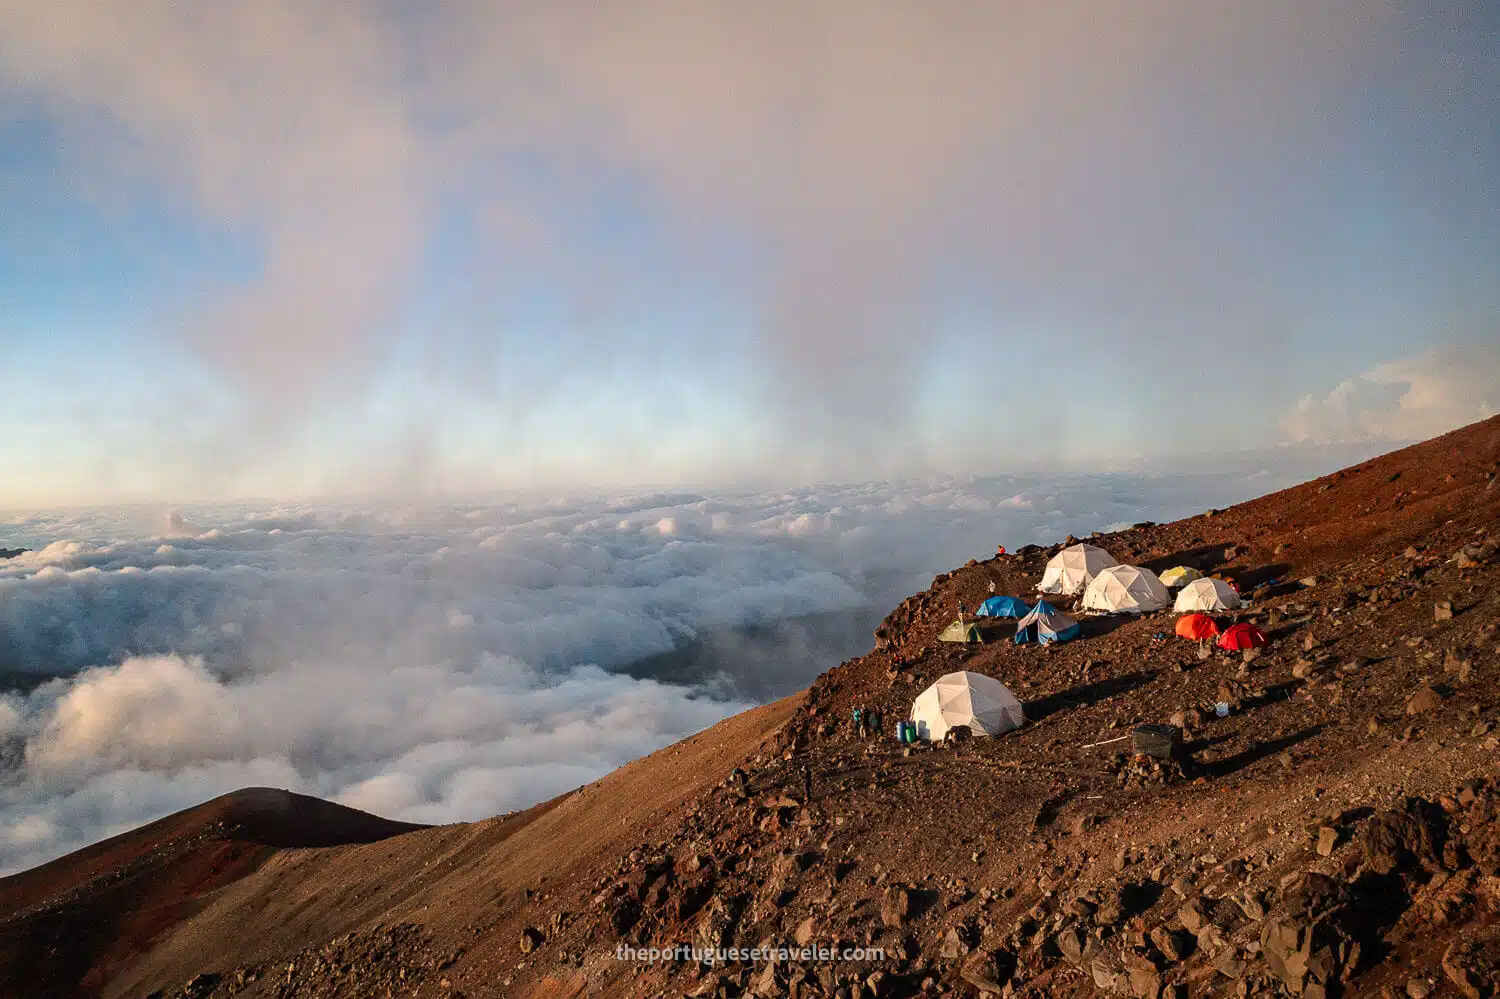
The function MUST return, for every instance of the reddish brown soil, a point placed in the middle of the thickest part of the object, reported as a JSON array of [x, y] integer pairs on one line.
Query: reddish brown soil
[[1359, 725], [65, 925]]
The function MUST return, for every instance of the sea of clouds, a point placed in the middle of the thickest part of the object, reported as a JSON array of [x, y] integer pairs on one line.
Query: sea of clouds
[[442, 663]]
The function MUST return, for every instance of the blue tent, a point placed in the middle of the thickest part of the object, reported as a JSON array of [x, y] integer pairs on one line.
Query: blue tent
[[1045, 627], [1043, 607], [1003, 607]]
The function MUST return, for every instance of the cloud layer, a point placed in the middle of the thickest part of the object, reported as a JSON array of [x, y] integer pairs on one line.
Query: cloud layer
[[1407, 400], [444, 663]]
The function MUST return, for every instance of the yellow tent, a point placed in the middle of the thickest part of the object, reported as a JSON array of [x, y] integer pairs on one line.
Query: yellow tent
[[958, 631], [1180, 575]]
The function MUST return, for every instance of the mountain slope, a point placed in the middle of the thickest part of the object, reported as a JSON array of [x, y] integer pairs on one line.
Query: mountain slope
[[1342, 803], [65, 925]]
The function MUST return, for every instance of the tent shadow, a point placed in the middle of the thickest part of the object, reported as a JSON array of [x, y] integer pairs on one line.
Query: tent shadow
[[1256, 753], [1283, 631], [1085, 695], [1205, 559], [1097, 627], [1197, 745], [1275, 692], [1249, 579]]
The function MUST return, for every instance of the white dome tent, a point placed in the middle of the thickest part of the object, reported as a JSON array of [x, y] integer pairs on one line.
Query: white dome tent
[[1126, 589], [1207, 595], [980, 703], [1073, 568]]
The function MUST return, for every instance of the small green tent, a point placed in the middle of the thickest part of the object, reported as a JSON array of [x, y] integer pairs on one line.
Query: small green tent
[[958, 631]]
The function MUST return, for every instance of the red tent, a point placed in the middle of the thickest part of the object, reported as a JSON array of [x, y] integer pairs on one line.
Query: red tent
[[1196, 627], [1242, 636]]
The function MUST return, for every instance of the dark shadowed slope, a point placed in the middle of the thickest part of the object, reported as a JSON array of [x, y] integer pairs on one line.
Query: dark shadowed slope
[[64, 924]]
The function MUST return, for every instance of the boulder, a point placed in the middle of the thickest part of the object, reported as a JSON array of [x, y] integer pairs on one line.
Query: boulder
[[895, 908], [1145, 984], [1191, 916], [989, 971], [716, 924], [957, 942], [531, 939], [1311, 941], [1424, 700], [1070, 944], [1473, 965], [1328, 840], [807, 930], [1174, 945], [767, 983], [1400, 840], [1230, 964]]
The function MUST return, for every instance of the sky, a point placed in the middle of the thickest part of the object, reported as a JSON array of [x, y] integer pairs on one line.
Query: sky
[[279, 249]]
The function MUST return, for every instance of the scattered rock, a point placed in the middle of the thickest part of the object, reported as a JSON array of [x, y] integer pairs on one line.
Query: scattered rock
[[1399, 840], [1174, 945], [1252, 905], [1328, 839], [1442, 610], [1473, 965], [989, 971], [807, 931], [531, 939], [1311, 941], [1229, 964], [1425, 699], [895, 908], [1070, 943], [956, 942], [1191, 916]]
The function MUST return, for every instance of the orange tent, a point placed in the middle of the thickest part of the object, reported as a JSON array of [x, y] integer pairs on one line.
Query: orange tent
[[1196, 627], [1242, 636]]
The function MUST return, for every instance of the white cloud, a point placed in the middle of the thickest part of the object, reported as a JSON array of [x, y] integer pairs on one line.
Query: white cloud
[[153, 712], [1411, 399], [448, 663]]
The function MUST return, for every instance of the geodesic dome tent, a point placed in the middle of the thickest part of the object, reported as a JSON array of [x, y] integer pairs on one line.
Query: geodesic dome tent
[[1073, 568], [1207, 595], [1126, 589], [1179, 575], [980, 703]]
